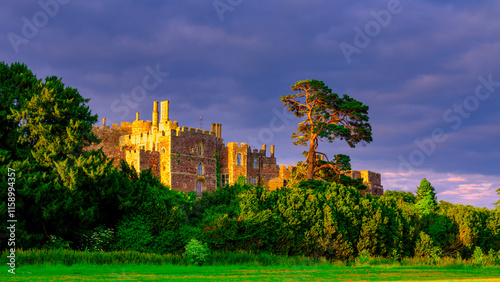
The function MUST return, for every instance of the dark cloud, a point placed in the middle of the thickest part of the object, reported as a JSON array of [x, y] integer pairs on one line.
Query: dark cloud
[[414, 71]]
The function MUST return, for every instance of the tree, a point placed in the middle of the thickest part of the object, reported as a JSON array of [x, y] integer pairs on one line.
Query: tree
[[407, 197], [326, 116], [61, 189], [17, 85], [426, 198], [55, 124], [497, 204]]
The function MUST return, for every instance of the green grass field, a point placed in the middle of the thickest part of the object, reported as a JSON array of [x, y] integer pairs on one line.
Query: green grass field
[[133, 272]]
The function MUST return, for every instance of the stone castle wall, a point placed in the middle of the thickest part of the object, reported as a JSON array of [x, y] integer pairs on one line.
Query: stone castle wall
[[110, 139], [190, 148], [371, 179]]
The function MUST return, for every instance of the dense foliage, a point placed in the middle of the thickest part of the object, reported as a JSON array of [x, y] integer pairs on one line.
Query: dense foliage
[[331, 220]]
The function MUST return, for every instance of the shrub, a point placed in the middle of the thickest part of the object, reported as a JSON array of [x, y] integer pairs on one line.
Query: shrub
[[426, 248], [196, 252], [363, 257], [57, 243], [478, 255], [134, 234], [100, 240]]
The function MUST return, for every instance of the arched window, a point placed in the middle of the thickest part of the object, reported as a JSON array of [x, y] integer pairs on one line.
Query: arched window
[[200, 149], [200, 169], [199, 188], [238, 159]]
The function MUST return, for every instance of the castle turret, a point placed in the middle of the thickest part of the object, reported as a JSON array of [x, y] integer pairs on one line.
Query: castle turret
[[272, 151], [155, 115], [218, 130], [164, 111]]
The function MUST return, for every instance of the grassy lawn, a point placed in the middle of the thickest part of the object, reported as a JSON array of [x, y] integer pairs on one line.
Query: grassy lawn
[[133, 272]]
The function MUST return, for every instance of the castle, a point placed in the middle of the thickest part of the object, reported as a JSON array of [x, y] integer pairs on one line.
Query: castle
[[185, 158]]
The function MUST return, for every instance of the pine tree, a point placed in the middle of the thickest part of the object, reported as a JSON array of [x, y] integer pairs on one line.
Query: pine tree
[[426, 198], [325, 116]]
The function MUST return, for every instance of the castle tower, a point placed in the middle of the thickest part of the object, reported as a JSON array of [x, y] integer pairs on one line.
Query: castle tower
[[155, 116], [164, 111], [216, 128]]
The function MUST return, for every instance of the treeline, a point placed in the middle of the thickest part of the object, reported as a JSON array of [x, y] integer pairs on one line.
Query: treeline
[[329, 220], [315, 219], [68, 197]]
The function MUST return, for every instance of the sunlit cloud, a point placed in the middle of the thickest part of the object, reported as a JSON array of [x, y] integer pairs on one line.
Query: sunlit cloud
[[469, 189]]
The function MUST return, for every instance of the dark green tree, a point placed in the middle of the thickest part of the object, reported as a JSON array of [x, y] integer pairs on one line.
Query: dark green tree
[[326, 116], [17, 86], [426, 198], [154, 217], [407, 197], [61, 189]]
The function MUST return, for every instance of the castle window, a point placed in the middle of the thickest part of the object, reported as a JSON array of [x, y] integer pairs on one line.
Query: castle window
[[252, 180], [255, 164], [199, 188], [285, 183], [200, 169], [200, 149], [238, 159], [225, 179], [163, 150]]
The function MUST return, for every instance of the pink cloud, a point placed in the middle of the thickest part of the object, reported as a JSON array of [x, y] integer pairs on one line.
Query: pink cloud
[[468, 189]]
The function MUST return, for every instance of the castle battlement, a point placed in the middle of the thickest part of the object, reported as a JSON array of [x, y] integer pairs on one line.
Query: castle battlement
[[123, 126], [191, 131], [287, 167], [237, 145]]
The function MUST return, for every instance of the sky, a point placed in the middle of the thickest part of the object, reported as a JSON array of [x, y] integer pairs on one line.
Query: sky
[[428, 70]]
